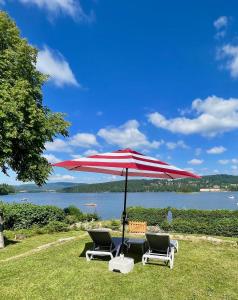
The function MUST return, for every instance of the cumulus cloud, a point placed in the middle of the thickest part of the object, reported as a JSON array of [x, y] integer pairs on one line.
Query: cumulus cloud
[[83, 140], [229, 54], [80, 140], [59, 177], [216, 150], [220, 25], [52, 63], [178, 144], [58, 145], [90, 152], [52, 159], [71, 8], [213, 115], [195, 161], [127, 135]]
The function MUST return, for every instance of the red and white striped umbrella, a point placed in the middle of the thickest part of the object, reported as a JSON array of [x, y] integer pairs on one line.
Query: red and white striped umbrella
[[126, 163], [117, 162]]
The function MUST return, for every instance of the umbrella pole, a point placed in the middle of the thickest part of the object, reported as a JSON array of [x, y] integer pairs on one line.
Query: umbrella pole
[[124, 212]]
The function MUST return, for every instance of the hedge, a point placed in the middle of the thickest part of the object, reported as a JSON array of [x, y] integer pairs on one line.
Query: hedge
[[27, 215], [211, 222]]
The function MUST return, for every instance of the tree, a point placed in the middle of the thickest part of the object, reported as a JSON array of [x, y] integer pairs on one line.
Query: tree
[[6, 189], [25, 123]]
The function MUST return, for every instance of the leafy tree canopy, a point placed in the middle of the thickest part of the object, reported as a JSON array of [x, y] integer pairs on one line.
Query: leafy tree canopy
[[25, 123]]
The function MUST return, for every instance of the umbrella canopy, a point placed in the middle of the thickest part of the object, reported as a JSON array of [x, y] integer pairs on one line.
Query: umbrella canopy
[[126, 163], [117, 162]]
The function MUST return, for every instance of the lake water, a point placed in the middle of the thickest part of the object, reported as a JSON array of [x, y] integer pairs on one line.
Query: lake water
[[109, 205]]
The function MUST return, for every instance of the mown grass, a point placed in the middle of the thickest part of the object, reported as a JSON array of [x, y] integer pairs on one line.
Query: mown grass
[[202, 271]]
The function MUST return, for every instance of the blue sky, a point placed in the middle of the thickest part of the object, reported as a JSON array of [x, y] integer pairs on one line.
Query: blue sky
[[158, 76]]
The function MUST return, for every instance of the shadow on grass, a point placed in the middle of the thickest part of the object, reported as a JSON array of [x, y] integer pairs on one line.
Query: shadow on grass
[[134, 252], [9, 242]]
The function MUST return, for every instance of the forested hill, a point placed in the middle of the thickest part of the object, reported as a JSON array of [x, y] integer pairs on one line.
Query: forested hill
[[33, 188], [226, 182]]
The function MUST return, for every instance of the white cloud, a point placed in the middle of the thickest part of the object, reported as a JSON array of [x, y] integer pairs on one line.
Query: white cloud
[[223, 161], [52, 63], [76, 156], [178, 144], [90, 152], [234, 167], [127, 135], [84, 140], [195, 161], [230, 54], [216, 150], [220, 25], [57, 145], [220, 22], [226, 161], [59, 177], [52, 159], [214, 115], [71, 8]]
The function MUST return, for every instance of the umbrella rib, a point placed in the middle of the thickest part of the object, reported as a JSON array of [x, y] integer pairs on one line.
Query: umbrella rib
[[169, 175]]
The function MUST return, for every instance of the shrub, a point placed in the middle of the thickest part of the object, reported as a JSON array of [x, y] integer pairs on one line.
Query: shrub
[[90, 217], [74, 214], [71, 219], [56, 226], [73, 211], [213, 222], [25, 215]]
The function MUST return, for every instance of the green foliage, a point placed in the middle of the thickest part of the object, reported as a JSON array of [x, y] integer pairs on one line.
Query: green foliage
[[73, 211], [6, 189], [25, 215], [211, 222], [30, 216], [25, 123], [151, 215], [115, 224], [56, 226], [74, 214]]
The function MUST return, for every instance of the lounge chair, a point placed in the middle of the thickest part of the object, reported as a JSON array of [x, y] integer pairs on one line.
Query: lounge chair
[[161, 248], [103, 244]]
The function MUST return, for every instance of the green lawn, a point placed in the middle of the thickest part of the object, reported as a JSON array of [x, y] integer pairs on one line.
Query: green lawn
[[202, 270]]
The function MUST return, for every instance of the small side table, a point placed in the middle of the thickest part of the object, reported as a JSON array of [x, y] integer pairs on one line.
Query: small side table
[[140, 242]]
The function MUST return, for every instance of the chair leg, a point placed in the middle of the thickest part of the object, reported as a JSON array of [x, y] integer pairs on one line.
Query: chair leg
[[144, 260], [88, 256], [171, 260]]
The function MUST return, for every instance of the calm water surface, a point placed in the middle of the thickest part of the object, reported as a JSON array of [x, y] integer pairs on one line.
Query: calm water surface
[[109, 205]]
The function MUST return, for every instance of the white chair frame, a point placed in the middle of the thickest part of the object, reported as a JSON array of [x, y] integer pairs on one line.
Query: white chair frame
[[167, 258]]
